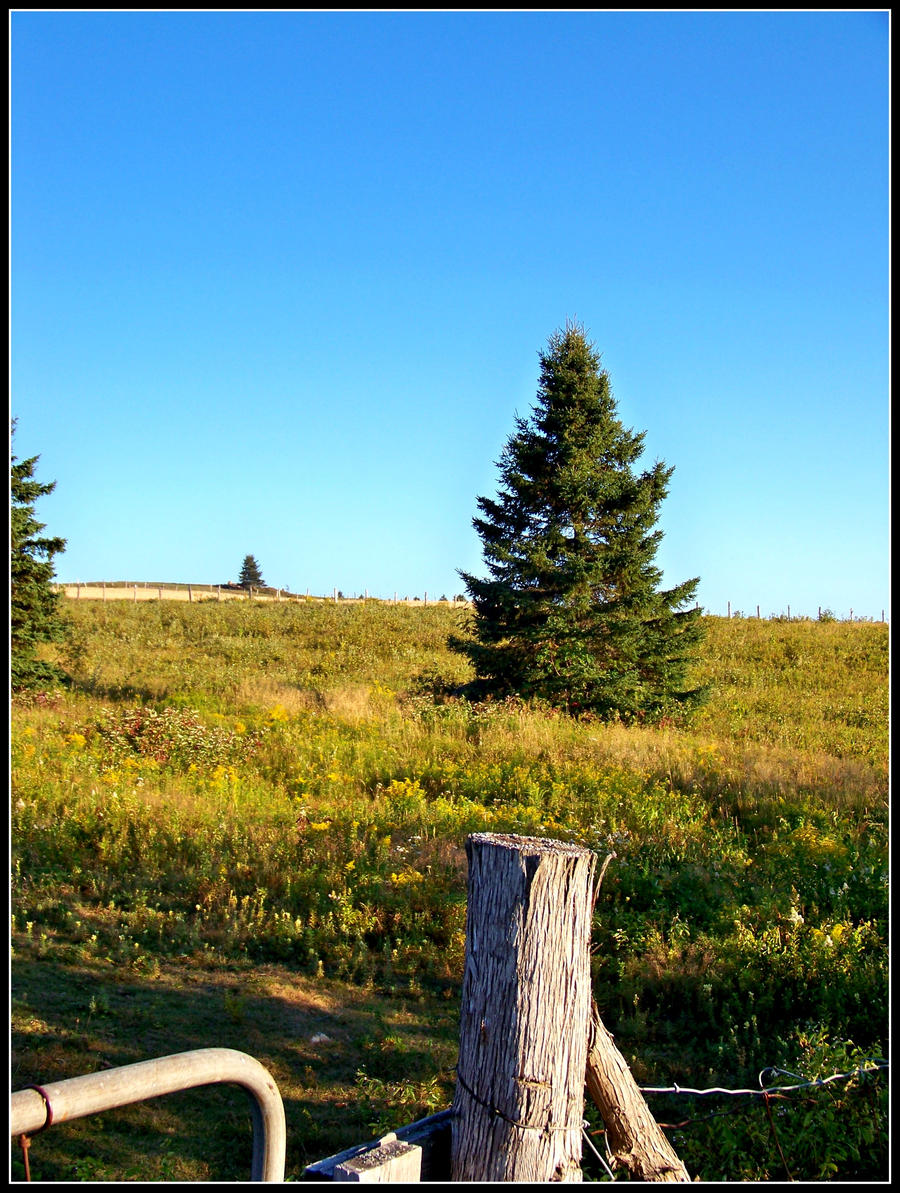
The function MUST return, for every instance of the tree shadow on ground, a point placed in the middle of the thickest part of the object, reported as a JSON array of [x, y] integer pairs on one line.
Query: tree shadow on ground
[[315, 1037]]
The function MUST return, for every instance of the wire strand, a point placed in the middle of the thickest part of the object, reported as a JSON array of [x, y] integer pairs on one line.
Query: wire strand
[[590, 1144], [878, 1065]]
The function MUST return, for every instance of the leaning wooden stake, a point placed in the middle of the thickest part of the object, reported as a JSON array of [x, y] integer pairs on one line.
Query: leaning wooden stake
[[633, 1135], [524, 1017]]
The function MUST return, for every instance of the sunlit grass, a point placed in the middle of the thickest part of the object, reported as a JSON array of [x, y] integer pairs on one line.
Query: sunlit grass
[[229, 787]]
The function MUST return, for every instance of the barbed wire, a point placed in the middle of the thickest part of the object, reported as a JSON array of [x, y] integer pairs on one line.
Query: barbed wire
[[771, 1093], [875, 1064]]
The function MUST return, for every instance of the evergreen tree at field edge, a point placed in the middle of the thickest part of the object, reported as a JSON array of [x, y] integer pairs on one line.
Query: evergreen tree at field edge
[[250, 574], [571, 610], [34, 606]]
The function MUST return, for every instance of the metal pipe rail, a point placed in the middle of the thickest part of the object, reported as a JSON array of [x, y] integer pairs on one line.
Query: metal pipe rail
[[61, 1101]]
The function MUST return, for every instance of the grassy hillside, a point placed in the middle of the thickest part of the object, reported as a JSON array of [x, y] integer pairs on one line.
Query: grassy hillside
[[243, 825]]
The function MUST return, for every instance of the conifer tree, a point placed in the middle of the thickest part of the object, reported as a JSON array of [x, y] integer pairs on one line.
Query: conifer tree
[[250, 574], [572, 610], [34, 606]]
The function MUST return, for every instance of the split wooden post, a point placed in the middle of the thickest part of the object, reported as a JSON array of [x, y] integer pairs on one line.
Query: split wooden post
[[635, 1139], [525, 1010]]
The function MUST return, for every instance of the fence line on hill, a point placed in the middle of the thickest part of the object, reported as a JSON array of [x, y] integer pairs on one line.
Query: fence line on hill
[[145, 590], [824, 614]]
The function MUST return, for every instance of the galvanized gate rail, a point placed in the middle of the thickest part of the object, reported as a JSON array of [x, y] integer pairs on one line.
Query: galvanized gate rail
[[33, 1109]]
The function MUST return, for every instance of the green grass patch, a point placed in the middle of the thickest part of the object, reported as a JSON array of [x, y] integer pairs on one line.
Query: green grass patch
[[243, 825]]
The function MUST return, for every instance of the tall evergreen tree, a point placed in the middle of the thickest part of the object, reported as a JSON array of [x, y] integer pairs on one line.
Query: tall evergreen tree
[[250, 574], [34, 606], [571, 610]]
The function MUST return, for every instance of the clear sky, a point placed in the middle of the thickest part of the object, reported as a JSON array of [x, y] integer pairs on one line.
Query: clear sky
[[279, 282]]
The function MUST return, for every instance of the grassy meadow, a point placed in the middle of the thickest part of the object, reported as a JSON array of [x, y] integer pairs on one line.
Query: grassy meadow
[[243, 825]]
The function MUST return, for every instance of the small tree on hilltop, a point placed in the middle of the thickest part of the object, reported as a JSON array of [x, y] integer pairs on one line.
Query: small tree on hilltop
[[34, 606], [250, 574], [571, 610]]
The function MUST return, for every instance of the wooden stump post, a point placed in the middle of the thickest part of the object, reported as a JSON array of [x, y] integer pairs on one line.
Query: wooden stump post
[[525, 1011]]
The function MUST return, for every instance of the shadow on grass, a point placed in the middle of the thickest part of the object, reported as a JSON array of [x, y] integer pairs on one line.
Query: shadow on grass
[[314, 1037]]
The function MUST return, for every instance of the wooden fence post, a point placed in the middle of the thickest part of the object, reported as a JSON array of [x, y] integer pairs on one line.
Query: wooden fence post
[[633, 1136], [525, 1011]]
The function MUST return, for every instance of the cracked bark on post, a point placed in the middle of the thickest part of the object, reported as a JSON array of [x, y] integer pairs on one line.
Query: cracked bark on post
[[635, 1139], [525, 1008]]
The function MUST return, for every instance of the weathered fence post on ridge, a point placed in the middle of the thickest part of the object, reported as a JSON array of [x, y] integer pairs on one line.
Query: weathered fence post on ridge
[[530, 1039], [525, 1011]]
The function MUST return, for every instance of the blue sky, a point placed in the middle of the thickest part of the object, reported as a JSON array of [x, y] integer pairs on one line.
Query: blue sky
[[279, 282]]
